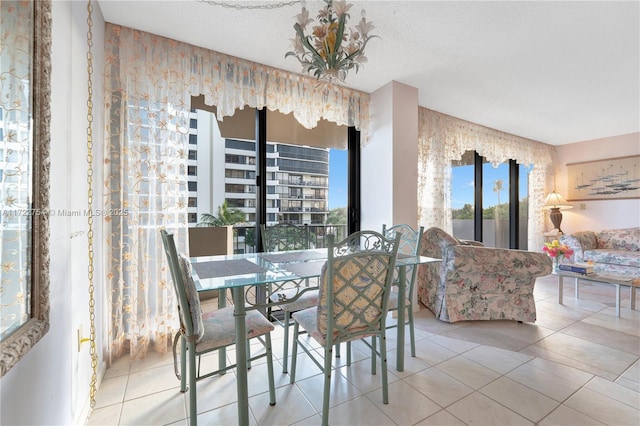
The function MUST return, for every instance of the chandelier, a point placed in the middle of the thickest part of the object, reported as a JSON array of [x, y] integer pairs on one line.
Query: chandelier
[[329, 51]]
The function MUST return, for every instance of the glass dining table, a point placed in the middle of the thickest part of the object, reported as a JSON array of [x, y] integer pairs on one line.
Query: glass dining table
[[247, 275]]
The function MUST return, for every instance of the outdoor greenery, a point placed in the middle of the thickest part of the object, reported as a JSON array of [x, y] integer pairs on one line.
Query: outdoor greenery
[[226, 216], [337, 216]]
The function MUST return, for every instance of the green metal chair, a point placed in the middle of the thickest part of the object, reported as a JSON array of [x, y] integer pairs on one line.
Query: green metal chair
[[200, 334], [409, 245], [354, 290], [286, 237]]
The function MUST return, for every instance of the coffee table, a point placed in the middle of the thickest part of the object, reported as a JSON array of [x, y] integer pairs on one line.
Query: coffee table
[[616, 280]]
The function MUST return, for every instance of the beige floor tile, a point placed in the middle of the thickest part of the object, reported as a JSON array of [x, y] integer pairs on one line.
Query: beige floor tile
[[406, 406], [482, 410], [341, 390], [150, 381], [359, 375], [105, 416], [603, 408], [432, 353], [599, 356], [291, 407], [526, 332], [605, 336], [487, 336], [615, 391], [111, 391], [565, 416], [455, 345], [623, 325], [498, 360], [224, 415], [629, 384], [468, 372], [542, 353], [567, 309], [152, 360], [552, 321], [519, 398], [441, 418], [358, 411], [556, 381], [155, 409], [438, 386], [119, 367], [412, 365]]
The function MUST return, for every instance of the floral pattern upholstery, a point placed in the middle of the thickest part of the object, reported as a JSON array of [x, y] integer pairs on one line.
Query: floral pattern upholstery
[[478, 283], [192, 297], [615, 251]]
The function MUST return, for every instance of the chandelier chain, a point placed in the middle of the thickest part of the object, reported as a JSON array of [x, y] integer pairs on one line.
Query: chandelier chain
[[90, 269], [239, 6]]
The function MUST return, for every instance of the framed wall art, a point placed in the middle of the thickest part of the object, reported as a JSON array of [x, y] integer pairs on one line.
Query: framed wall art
[[609, 179]]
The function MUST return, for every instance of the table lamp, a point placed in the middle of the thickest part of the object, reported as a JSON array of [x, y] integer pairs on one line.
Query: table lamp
[[555, 202]]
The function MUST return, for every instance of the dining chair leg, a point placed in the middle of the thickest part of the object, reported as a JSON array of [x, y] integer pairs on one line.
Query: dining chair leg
[[183, 364], [327, 386], [383, 362], [193, 403], [272, 385], [412, 333], [349, 354], [373, 354], [248, 354], [294, 353], [285, 356]]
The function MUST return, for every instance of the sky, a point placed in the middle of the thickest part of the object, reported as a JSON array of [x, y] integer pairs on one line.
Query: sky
[[463, 185], [337, 178]]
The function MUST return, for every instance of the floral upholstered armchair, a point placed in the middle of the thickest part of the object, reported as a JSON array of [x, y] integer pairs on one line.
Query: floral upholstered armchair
[[478, 283]]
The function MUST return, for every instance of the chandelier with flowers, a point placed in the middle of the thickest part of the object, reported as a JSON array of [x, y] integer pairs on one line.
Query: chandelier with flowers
[[329, 51]]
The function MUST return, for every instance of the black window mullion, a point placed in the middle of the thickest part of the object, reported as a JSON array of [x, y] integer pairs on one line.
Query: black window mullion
[[477, 211], [353, 197], [514, 205], [261, 174]]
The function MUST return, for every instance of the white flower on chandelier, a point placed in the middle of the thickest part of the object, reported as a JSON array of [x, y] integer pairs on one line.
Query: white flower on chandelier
[[328, 52]]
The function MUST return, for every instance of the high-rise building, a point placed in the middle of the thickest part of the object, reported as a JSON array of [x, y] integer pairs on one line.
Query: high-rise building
[[224, 169]]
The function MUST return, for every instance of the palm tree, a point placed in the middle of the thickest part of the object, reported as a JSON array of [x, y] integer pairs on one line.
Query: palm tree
[[226, 216]]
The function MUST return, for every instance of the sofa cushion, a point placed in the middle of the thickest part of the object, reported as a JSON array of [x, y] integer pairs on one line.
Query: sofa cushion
[[619, 239], [613, 257]]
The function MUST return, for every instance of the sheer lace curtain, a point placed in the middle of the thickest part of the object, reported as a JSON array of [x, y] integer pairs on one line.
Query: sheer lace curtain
[[149, 81], [443, 138]]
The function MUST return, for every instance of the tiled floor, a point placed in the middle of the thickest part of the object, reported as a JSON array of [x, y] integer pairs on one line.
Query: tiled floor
[[577, 365]]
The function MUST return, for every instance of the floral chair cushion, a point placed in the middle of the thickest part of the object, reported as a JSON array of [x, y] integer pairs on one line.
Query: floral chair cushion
[[357, 293], [192, 297]]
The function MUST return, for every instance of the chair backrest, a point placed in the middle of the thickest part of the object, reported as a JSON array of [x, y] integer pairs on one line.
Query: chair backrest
[[285, 237], [409, 244], [185, 288], [354, 286]]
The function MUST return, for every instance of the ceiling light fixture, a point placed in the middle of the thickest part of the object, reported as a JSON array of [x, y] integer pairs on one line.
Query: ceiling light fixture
[[329, 52]]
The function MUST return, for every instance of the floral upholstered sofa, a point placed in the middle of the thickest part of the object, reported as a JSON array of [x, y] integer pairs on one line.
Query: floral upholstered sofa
[[478, 283], [614, 251]]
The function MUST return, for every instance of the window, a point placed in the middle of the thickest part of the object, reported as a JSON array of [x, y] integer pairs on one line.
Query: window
[[193, 139], [192, 202], [193, 186], [490, 204], [193, 154], [192, 170]]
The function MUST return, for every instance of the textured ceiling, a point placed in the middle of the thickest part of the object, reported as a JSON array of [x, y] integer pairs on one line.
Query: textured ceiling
[[557, 72]]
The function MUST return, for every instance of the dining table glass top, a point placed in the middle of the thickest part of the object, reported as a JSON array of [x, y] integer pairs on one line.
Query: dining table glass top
[[239, 270]]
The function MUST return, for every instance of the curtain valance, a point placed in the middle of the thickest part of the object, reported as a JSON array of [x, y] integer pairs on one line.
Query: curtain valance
[[443, 138], [459, 136], [232, 83]]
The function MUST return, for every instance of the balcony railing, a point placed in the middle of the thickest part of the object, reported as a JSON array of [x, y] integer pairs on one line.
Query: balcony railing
[[244, 236]]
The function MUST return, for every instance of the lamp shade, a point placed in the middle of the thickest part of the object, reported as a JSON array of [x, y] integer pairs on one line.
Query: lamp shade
[[556, 201]]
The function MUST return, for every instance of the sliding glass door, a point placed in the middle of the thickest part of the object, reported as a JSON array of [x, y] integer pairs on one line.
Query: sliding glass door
[[490, 204]]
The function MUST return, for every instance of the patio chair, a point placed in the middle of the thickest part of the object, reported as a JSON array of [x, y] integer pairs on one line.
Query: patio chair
[[354, 290], [286, 237], [409, 245], [201, 334]]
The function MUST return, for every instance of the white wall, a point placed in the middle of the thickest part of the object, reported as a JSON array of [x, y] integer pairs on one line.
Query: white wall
[[389, 160], [597, 214], [50, 385]]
